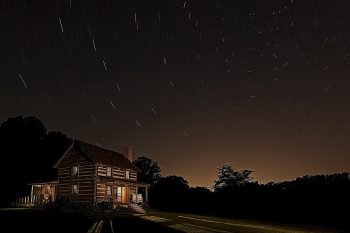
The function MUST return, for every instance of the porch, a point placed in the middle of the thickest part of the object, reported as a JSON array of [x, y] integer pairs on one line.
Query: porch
[[27, 201], [41, 193], [121, 192]]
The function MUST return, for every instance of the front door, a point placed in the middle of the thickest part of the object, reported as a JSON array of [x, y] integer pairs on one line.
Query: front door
[[122, 195]]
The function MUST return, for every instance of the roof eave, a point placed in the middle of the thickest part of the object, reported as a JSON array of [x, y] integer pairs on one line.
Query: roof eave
[[64, 155]]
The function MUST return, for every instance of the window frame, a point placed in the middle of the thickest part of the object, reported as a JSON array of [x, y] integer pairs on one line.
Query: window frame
[[76, 174], [75, 191], [119, 191], [109, 187], [111, 172], [127, 174]]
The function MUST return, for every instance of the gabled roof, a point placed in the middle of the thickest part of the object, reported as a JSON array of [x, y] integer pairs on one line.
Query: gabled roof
[[99, 155]]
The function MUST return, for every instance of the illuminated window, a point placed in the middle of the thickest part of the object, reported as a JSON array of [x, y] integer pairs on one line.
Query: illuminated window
[[127, 174], [119, 194], [109, 171], [75, 189], [75, 171], [109, 190]]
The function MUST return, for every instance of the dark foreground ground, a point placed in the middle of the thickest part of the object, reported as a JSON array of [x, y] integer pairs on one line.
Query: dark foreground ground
[[27, 220]]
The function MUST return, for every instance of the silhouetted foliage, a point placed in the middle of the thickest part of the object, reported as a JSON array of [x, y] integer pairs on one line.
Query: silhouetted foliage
[[199, 200], [150, 170], [230, 178], [27, 129], [168, 192], [28, 153], [315, 200]]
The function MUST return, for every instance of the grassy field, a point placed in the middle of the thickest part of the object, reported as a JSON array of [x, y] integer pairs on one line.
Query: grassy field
[[27, 220], [30, 220], [40, 221], [215, 224]]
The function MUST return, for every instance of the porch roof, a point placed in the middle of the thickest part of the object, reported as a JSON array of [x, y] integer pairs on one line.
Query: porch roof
[[124, 181], [42, 183]]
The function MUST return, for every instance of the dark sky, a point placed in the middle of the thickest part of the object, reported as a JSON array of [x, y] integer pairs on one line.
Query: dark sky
[[262, 85]]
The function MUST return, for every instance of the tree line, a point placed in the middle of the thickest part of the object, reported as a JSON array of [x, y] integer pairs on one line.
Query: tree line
[[28, 151], [317, 199]]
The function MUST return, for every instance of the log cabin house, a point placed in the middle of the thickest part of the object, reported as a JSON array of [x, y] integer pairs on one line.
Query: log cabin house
[[88, 174]]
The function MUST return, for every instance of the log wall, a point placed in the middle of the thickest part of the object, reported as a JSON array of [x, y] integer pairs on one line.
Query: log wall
[[117, 173], [84, 179]]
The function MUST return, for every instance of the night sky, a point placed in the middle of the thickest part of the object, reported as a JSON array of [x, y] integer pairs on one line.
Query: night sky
[[262, 85]]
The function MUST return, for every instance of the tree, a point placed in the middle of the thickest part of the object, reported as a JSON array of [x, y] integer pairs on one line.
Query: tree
[[55, 144], [20, 128], [27, 151], [150, 170], [168, 193], [228, 177], [172, 184], [20, 142]]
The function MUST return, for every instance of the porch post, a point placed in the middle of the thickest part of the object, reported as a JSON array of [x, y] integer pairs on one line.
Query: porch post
[[146, 194], [31, 194]]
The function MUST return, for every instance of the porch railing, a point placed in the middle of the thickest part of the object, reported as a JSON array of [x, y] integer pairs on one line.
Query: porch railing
[[29, 200], [137, 198]]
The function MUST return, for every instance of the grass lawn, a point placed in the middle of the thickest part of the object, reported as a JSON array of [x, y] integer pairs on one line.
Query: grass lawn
[[216, 224], [36, 220], [30, 220]]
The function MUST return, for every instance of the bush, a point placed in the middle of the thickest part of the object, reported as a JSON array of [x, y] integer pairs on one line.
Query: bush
[[65, 203], [105, 205]]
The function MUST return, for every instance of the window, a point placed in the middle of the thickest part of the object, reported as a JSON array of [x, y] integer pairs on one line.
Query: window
[[109, 190], [119, 194], [75, 171], [109, 171], [75, 189], [127, 174]]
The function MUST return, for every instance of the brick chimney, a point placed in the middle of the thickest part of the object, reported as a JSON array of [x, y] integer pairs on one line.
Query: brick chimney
[[127, 152]]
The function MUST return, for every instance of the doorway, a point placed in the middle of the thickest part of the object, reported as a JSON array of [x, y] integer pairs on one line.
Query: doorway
[[122, 194]]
